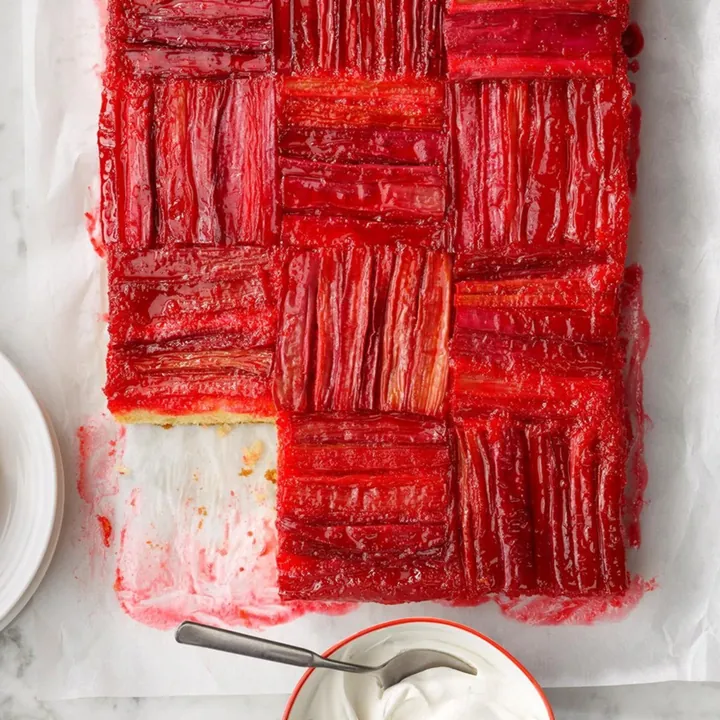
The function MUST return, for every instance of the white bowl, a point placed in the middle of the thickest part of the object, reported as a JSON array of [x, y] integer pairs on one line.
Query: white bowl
[[416, 632]]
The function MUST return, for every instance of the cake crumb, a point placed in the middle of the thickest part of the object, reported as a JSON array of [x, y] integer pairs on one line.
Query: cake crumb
[[196, 476], [167, 426], [122, 470], [271, 475], [224, 430], [252, 454]]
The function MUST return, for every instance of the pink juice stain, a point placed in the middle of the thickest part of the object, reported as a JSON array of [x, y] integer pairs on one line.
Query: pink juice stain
[[94, 231], [576, 611], [101, 444], [230, 580], [635, 334]]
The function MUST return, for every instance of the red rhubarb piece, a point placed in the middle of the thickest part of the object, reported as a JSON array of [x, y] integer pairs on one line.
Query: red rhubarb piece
[[165, 383], [611, 482], [353, 103], [550, 485], [614, 8], [431, 359], [373, 496], [126, 170], [353, 428], [395, 192], [235, 24], [372, 363], [308, 578], [246, 163], [358, 144], [400, 323], [354, 308], [292, 378], [364, 541], [179, 62], [337, 231], [174, 176], [205, 101]]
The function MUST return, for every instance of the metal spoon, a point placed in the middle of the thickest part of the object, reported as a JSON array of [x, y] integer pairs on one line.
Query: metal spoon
[[390, 673]]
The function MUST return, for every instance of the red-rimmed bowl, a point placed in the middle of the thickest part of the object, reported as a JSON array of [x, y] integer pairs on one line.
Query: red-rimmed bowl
[[458, 636]]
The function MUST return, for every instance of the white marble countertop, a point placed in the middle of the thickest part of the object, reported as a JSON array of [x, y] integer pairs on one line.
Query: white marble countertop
[[18, 699]]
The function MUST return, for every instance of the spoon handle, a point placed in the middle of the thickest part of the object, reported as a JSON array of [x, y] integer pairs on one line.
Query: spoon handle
[[190, 633]]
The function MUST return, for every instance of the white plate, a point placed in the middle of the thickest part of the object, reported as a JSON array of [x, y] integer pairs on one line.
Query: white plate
[[31, 493]]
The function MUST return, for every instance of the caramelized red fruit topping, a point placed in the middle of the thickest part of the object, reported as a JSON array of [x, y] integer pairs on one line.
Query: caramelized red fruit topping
[[400, 229]]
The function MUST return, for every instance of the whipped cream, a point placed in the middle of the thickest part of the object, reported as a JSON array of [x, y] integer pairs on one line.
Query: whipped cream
[[500, 691]]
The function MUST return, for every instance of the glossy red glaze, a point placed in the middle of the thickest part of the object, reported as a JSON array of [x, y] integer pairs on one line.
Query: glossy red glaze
[[365, 329], [530, 39], [193, 330], [401, 227], [365, 508]]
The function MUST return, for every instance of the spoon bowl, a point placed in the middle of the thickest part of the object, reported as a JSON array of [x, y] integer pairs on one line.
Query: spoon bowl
[[413, 662]]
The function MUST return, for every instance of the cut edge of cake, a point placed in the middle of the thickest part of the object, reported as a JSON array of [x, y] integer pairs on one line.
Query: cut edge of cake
[[213, 417]]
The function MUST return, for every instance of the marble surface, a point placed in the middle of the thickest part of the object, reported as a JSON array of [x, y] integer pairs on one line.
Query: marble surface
[[18, 700]]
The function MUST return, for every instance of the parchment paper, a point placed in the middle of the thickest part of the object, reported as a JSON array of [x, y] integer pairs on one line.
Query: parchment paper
[[87, 646]]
